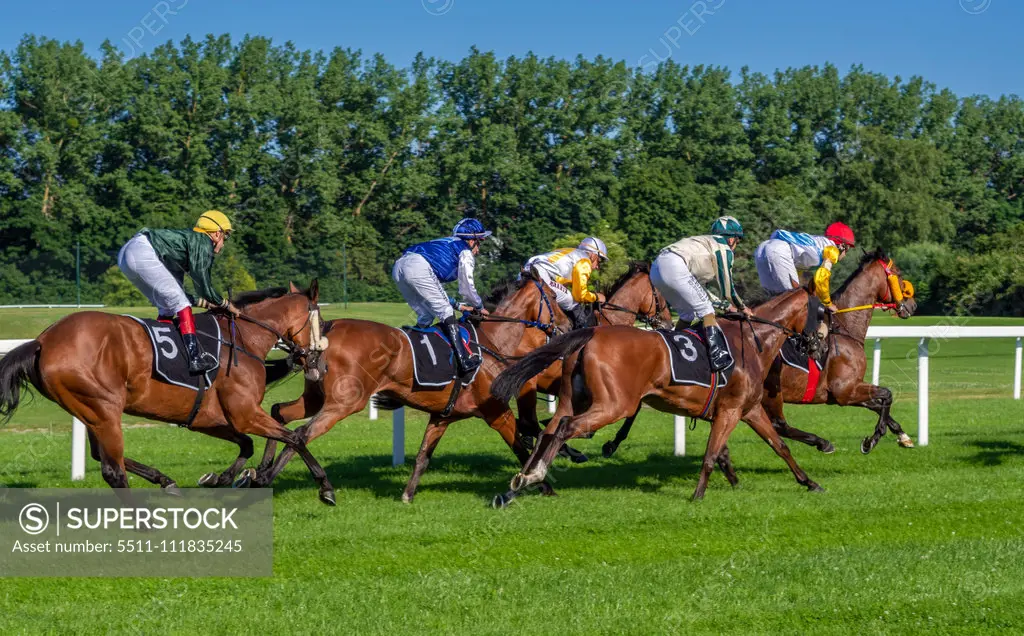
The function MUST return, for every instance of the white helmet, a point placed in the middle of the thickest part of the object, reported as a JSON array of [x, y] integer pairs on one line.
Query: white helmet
[[594, 245]]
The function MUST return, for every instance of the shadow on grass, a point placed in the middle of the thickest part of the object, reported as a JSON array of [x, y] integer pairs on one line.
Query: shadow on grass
[[485, 474], [994, 452]]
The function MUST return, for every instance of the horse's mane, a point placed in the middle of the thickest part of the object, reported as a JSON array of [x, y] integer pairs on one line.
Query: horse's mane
[[868, 258], [252, 297], [508, 287], [635, 267]]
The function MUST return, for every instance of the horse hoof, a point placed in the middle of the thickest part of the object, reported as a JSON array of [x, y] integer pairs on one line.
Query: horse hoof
[[243, 481], [828, 448], [813, 487], [866, 446], [546, 490], [518, 482], [327, 496], [407, 497], [905, 442], [578, 457], [172, 489], [609, 449], [209, 480], [499, 502]]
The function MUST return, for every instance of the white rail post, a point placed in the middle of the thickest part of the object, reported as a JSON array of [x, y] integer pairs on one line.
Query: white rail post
[[680, 424], [553, 401], [1016, 371], [398, 437], [922, 392], [77, 450], [876, 367], [373, 408]]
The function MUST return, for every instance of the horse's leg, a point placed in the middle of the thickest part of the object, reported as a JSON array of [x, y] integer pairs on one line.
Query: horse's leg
[[528, 422], [306, 405], [758, 420], [257, 422], [609, 448], [725, 464], [877, 399], [435, 430], [150, 474], [773, 405], [314, 428], [245, 448], [721, 428]]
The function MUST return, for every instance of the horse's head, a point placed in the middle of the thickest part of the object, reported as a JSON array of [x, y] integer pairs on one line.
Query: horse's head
[[634, 292], [891, 288], [293, 315], [532, 300], [878, 281]]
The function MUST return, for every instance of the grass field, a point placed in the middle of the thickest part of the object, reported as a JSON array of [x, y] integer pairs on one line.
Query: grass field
[[925, 539]]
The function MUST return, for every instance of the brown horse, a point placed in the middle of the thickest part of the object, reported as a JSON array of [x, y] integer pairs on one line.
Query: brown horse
[[97, 366], [842, 380], [631, 298], [365, 358], [605, 379]]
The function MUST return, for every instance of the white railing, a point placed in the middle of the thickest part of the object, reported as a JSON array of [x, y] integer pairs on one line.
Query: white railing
[[924, 335]]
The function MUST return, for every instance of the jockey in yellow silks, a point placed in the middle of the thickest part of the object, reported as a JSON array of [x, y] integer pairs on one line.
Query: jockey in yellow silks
[[567, 272]]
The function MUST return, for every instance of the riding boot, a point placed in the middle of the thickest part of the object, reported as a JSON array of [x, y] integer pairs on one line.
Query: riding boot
[[466, 362], [718, 352], [199, 361]]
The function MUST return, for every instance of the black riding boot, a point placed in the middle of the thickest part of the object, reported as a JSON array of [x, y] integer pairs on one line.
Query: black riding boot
[[199, 361], [467, 363], [718, 352]]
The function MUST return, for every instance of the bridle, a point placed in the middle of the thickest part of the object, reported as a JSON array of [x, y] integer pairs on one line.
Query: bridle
[[549, 328], [318, 343], [897, 291]]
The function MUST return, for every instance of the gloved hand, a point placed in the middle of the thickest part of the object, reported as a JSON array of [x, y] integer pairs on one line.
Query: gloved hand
[[229, 307]]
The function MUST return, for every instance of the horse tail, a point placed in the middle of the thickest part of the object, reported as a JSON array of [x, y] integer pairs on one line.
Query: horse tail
[[508, 384], [17, 372]]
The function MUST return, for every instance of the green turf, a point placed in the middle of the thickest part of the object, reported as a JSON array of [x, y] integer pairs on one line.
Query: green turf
[[925, 539]]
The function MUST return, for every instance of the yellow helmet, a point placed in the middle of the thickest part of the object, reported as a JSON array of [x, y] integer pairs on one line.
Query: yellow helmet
[[213, 221]]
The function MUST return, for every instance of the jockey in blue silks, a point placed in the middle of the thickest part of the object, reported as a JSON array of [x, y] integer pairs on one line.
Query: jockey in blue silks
[[421, 270]]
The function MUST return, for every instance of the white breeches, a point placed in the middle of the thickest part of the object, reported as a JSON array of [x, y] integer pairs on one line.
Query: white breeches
[[683, 292], [775, 266], [421, 289], [139, 262]]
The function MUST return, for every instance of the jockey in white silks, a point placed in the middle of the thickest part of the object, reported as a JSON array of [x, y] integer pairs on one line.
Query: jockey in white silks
[[421, 270], [682, 270], [780, 259]]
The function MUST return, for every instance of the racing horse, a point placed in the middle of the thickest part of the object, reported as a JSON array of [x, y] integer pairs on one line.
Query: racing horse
[[876, 284], [631, 298], [366, 358], [97, 366], [604, 379]]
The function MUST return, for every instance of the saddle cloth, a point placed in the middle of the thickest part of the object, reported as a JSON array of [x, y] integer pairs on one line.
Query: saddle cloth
[[795, 355], [170, 362], [433, 360], [689, 358]]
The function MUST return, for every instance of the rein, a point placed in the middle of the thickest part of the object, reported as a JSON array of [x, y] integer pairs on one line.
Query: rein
[[651, 320], [886, 306]]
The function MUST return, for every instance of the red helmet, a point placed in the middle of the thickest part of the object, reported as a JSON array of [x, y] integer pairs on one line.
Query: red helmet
[[840, 233]]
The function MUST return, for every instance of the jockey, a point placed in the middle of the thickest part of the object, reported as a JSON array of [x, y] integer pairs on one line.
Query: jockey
[[156, 262], [786, 253], [421, 270], [571, 266], [681, 271]]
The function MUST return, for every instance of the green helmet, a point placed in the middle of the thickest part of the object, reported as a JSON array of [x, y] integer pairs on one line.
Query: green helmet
[[727, 226]]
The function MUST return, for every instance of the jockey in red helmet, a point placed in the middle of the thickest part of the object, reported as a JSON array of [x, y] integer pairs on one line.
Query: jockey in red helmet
[[785, 253]]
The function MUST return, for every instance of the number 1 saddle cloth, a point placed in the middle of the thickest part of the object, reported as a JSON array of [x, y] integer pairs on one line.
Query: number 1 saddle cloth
[[433, 359]]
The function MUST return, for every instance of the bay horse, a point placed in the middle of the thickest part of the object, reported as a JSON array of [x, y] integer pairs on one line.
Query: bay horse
[[842, 380], [607, 372], [366, 358], [97, 366], [631, 298]]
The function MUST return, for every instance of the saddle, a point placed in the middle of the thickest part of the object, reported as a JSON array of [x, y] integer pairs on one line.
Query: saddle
[[688, 354], [170, 363], [433, 360]]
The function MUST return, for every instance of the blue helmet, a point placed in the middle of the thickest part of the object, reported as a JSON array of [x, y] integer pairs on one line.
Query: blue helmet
[[470, 228]]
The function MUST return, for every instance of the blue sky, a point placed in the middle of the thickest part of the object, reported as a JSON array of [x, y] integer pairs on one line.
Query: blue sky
[[970, 46]]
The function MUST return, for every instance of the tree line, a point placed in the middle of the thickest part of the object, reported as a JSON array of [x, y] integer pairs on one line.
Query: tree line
[[332, 162]]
